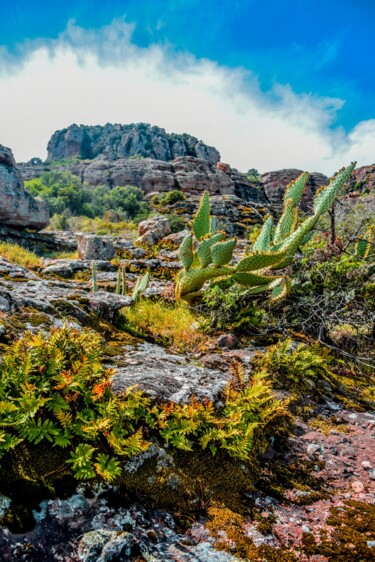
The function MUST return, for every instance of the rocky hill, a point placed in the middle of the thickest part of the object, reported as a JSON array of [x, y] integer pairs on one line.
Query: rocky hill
[[124, 141]]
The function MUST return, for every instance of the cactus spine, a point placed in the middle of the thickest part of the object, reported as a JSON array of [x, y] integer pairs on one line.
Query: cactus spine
[[205, 255]]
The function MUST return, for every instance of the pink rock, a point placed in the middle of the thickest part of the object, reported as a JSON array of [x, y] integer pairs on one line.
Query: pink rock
[[358, 487]]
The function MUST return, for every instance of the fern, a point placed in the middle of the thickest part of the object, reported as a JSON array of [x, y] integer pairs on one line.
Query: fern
[[107, 467]]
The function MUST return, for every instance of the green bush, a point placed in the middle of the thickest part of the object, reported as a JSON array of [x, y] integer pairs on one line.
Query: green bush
[[66, 196]]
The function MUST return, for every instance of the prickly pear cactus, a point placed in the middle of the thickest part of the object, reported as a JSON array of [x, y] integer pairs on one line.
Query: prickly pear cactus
[[206, 255]]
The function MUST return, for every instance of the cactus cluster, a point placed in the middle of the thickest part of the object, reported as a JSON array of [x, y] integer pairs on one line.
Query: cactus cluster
[[206, 255]]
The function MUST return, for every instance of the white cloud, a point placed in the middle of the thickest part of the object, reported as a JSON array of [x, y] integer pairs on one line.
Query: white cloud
[[95, 77]]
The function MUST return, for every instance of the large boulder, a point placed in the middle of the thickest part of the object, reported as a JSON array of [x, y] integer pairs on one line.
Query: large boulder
[[274, 184], [92, 247], [18, 208]]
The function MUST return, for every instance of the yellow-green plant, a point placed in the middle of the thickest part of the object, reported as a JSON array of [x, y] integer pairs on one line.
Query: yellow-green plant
[[16, 254], [54, 387], [205, 254]]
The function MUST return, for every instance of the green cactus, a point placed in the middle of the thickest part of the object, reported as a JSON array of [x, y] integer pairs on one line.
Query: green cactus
[[121, 282], [94, 277], [365, 246], [140, 286], [207, 257], [118, 284]]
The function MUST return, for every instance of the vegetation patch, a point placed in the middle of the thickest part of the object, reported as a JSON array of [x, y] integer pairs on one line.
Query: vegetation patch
[[16, 254], [172, 325]]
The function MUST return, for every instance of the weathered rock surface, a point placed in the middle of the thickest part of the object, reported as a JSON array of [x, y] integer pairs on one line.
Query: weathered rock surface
[[164, 377], [92, 247], [189, 174], [87, 527], [18, 208], [274, 184], [363, 179], [233, 214], [122, 141], [151, 231]]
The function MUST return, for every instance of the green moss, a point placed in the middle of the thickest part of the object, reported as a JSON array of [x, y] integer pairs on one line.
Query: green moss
[[353, 525]]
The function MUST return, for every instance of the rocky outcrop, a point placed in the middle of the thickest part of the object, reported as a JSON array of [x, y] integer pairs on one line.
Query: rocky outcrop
[[190, 175], [151, 231], [274, 184], [18, 208], [363, 179], [123, 141]]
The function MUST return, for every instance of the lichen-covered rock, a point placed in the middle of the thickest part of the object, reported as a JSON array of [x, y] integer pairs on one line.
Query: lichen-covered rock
[[166, 377], [18, 208], [92, 247]]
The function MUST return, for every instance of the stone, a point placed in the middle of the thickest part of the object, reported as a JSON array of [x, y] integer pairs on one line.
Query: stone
[[274, 184], [166, 377], [357, 487], [91, 544], [366, 465], [176, 238], [93, 247], [227, 340], [18, 208], [151, 231]]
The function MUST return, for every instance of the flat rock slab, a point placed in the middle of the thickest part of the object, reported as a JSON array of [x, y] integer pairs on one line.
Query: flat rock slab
[[165, 377]]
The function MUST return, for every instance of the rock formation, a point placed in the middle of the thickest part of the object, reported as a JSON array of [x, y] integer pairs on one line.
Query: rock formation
[[18, 208], [274, 184], [363, 179], [121, 141], [189, 174]]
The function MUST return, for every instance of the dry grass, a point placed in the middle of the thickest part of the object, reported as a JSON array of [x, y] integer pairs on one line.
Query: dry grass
[[19, 255], [170, 324]]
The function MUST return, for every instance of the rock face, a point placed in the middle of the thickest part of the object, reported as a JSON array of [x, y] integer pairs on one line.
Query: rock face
[[190, 175], [274, 184], [122, 141], [18, 208], [363, 179]]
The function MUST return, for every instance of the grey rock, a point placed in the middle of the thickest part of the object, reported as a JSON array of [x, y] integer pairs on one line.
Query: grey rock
[[92, 247], [151, 231], [166, 377], [18, 208], [121, 141], [91, 544]]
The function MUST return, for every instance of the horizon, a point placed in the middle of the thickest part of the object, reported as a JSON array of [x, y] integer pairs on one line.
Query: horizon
[[294, 90]]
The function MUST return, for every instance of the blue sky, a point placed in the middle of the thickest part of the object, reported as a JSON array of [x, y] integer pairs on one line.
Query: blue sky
[[317, 50]]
